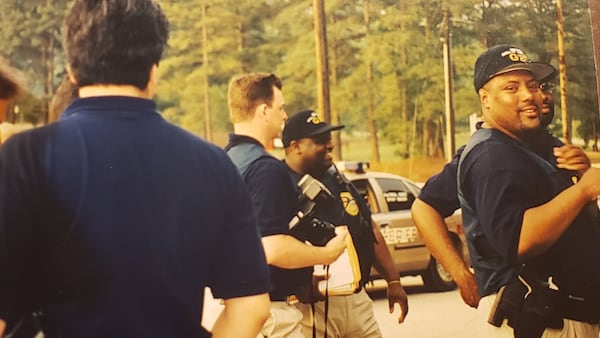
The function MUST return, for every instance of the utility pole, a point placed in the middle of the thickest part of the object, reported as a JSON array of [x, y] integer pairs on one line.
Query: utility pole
[[595, 18], [207, 117], [322, 60], [450, 145], [375, 158], [323, 101], [562, 70]]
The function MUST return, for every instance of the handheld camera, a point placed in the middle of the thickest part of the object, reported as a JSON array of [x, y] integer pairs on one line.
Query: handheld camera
[[314, 196]]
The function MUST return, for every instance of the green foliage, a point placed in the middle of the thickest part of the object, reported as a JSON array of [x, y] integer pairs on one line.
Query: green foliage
[[404, 47], [30, 41]]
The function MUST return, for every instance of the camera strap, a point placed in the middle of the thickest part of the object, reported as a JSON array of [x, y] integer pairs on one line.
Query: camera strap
[[326, 310]]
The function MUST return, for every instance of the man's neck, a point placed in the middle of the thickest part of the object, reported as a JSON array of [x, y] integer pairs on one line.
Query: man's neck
[[250, 130], [492, 125], [114, 90], [295, 166]]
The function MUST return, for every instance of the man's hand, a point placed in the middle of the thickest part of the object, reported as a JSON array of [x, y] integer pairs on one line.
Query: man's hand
[[309, 294], [434, 232], [2, 327], [572, 157], [242, 317], [590, 182], [337, 244], [467, 285], [397, 295]]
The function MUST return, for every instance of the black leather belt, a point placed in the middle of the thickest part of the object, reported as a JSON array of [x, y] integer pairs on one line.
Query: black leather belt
[[277, 298], [288, 299]]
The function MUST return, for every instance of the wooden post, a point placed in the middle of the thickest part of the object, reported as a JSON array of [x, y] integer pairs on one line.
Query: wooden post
[[595, 18], [450, 147], [3, 106], [562, 71], [372, 124], [322, 59], [207, 114]]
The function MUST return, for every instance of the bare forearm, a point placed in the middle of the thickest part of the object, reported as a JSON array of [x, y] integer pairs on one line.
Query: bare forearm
[[433, 230], [2, 327], [289, 253], [242, 317], [543, 225], [384, 264]]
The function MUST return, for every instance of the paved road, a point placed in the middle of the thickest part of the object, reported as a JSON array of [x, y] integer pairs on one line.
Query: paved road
[[431, 315]]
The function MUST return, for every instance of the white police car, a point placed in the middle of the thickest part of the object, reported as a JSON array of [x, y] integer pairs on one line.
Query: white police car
[[390, 198]]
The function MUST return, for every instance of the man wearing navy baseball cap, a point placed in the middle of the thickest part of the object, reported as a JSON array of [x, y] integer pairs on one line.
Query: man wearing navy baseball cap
[[502, 59], [532, 233], [307, 141], [303, 124]]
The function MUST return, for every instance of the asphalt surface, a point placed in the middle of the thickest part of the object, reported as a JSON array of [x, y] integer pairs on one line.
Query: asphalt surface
[[431, 315]]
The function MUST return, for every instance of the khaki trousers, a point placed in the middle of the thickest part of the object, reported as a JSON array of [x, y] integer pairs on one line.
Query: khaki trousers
[[348, 317], [283, 322]]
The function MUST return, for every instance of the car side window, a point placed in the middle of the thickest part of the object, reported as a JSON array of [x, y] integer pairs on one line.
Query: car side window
[[396, 194], [364, 189]]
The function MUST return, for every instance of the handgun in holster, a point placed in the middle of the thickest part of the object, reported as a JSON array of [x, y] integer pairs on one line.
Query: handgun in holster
[[529, 305], [508, 301]]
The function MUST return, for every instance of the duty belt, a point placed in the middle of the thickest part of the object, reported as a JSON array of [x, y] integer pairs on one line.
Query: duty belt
[[581, 309], [288, 299]]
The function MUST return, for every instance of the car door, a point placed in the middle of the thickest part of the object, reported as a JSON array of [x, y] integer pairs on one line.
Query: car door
[[390, 200]]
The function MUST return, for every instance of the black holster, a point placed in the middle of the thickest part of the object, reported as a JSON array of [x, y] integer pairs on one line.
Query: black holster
[[529, 305]]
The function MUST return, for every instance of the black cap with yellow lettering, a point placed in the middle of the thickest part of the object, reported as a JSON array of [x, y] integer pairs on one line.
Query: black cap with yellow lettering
[[303, 124], [502, 59]]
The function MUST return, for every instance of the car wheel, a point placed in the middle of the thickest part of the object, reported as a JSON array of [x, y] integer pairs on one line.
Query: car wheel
[[436, 278]]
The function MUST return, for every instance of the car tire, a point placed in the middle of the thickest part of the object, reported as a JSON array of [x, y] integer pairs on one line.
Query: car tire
[[436, 278]]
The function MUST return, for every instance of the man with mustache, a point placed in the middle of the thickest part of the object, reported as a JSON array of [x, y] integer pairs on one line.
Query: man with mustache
[[438, 198], [532, 233], [307, 142]]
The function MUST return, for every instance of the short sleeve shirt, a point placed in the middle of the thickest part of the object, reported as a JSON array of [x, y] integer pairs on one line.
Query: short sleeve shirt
[[500, 181], [122, 220], [440, 190], [275, 200]]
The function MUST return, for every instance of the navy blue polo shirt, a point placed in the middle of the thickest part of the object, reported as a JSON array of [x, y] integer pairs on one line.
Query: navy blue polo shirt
[[121, 219], [348, 209], [440, 189], [275, 200], [500, 181]]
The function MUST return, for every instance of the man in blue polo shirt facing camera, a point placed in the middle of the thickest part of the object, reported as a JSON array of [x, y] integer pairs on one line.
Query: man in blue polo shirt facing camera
[[308, 147], [532, 233]]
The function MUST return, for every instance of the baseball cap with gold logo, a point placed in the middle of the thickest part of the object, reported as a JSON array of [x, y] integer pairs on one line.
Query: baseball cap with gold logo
[[304, 124], [502, 59]]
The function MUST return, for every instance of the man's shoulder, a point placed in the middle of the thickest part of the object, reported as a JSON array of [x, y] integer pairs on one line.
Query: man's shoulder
[[30, 137], [268, 164], [490, 142]]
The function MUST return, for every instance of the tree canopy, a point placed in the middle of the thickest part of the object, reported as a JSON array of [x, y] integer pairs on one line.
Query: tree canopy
[[401, 42]]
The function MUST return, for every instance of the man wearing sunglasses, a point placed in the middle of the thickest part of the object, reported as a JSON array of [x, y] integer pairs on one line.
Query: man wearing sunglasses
[[307, 142], [532, 233], [438, 198]]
